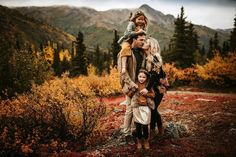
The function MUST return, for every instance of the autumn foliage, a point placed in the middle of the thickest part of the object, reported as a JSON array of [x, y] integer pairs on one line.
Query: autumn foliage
[[48, 119], [65, 111], [217, 71]]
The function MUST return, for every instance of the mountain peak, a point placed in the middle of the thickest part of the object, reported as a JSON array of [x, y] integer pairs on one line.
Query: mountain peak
[[145, 6]]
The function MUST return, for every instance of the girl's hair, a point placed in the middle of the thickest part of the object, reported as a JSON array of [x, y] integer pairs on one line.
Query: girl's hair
[[144, 71], [137, 14]]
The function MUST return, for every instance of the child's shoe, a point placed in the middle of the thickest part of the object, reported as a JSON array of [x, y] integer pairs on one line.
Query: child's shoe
[[161, 130], [146, 144], [139, 144], [152, 133]]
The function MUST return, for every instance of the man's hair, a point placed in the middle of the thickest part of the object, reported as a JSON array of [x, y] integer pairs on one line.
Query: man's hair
[[137, 35]]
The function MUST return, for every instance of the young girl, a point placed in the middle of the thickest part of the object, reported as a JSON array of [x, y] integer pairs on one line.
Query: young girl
[[141, 110], [137, 25]]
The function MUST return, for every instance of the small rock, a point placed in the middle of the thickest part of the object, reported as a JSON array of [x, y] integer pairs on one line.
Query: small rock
[[232, 131], [176, 130]]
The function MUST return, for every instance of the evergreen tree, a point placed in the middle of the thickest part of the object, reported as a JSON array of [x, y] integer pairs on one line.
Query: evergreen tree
[[98, 60], [164, 49], [56, 65], [216, 42], [79, 62], [210, 53], [232, 40], [115, 48], [196, 41], [179, 41], [72, 50], [203, 51], [107, 59], [225, 48], [190, 46], [65, 65], [41, 47]]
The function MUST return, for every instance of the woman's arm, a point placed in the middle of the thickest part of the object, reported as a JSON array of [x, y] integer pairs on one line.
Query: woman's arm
[[151, 94]]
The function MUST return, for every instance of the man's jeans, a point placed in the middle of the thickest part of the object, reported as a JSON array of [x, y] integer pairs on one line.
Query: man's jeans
[[128, 118]]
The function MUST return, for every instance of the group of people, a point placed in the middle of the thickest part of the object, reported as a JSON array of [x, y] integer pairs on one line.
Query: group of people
[[142, 79]]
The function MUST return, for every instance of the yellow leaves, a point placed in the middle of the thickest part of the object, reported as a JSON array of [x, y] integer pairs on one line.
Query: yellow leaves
[[217, 71], [49, 53], [64, 54], [99, 85]]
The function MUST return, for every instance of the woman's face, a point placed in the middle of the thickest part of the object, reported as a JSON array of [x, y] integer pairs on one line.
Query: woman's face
[[146, 45], [142, 77], [140, 21]]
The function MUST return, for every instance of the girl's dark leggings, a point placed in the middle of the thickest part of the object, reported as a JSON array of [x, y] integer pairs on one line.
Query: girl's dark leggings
[[141, 131]]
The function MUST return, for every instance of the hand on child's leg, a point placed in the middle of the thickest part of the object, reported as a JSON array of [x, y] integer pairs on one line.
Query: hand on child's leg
[[123, 70]]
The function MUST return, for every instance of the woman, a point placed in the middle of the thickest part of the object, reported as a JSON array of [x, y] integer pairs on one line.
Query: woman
[[157, 80]]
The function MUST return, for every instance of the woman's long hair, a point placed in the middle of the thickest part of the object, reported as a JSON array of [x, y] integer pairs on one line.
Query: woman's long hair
[[155, 54]]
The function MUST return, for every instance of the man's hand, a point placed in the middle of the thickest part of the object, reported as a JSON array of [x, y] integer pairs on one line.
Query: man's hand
[[144, 91], [133, 85]]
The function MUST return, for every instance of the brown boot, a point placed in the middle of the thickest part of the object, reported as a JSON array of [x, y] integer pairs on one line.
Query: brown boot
[[139, 144], [161, 130], [152, 133], [146, 144]]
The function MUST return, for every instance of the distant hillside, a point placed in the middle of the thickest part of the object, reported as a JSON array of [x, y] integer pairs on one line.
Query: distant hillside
[[17, 28], [98, 25]]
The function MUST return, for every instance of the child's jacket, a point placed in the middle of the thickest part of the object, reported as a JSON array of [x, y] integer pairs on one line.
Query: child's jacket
[[129, 32]]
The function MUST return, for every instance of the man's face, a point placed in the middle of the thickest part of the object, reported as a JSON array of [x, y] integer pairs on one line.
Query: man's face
[[138, 43]]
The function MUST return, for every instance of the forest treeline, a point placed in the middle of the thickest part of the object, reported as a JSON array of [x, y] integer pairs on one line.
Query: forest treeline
[[24, 65]]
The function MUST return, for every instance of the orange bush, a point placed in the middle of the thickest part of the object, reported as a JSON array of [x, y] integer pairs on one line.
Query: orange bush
[[219, 70], [51, 116], [106, 85]]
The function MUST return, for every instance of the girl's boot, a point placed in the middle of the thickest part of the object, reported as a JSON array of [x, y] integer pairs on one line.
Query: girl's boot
[[146, 144], [161, 130], [139, 144]]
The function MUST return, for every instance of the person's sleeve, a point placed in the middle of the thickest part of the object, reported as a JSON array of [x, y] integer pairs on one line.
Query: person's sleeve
[[151, 81], [151, 94], [162, 73], [128, 80], [130, 30]]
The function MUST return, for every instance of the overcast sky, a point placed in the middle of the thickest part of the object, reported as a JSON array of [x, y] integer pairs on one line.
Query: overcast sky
[[212, 13]]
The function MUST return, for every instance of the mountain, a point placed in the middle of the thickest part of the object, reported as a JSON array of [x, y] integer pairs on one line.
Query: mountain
[[98, 26], [23, 30]]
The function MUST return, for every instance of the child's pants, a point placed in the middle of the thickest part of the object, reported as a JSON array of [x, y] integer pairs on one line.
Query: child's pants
[[141, 131], [125, 49]]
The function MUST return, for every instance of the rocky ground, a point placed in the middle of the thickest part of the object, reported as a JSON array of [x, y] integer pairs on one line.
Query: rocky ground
[[196, 124]]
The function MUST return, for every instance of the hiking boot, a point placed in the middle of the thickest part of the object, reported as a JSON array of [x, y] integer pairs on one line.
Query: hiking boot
[[139, 144], [146, 144], [152, 133], [161, 130]]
